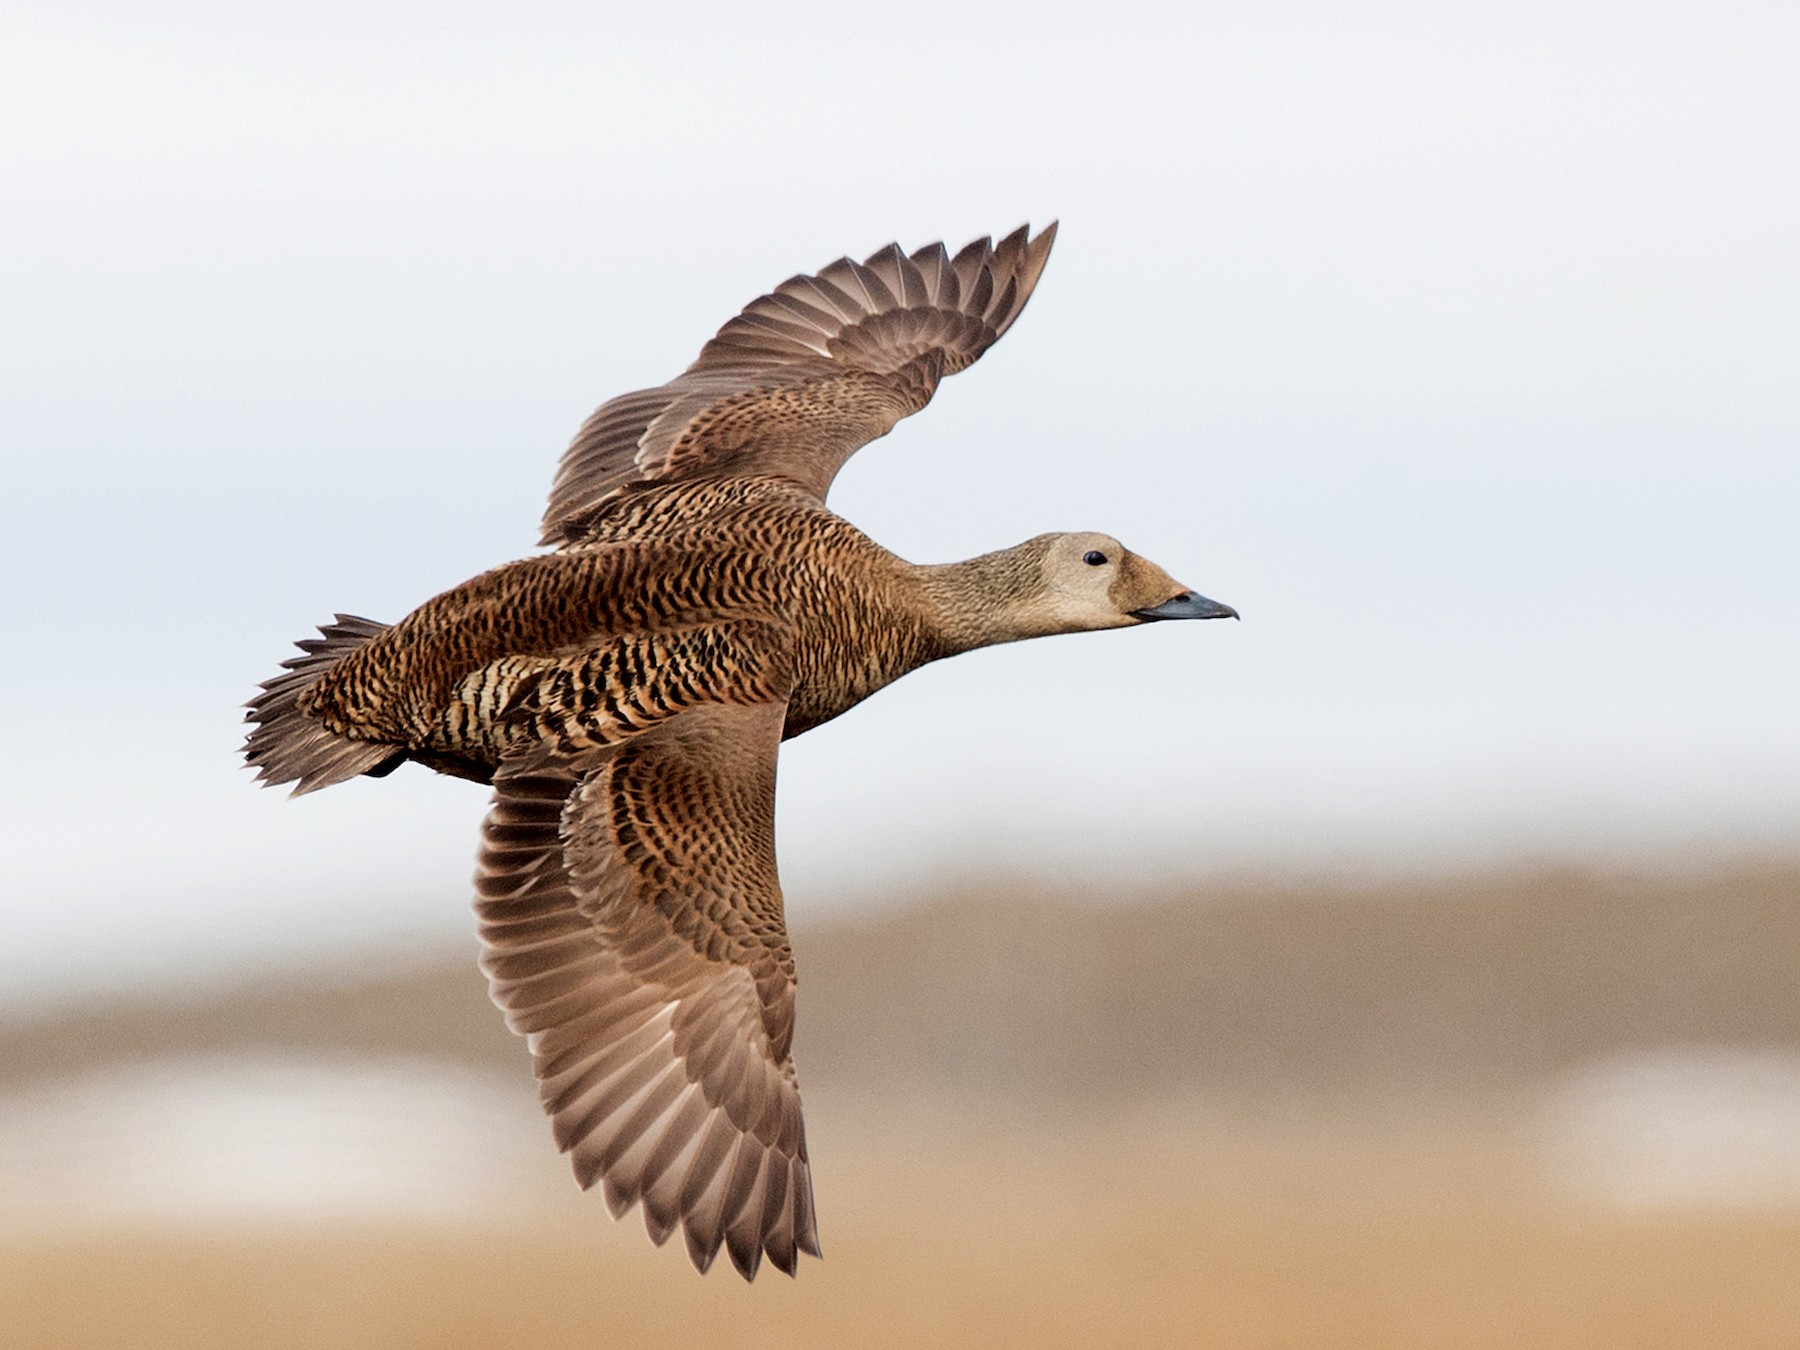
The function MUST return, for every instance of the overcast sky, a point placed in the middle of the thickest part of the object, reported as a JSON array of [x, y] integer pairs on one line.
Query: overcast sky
[[1456, 346]]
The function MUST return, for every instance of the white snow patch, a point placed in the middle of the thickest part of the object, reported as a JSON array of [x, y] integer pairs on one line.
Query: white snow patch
[[291, 1137], [1681, 1127]]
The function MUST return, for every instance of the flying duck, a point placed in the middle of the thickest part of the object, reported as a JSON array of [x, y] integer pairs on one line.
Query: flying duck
[[626, 695]]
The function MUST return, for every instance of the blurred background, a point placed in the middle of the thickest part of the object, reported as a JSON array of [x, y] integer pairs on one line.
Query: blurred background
[[1410, 964]]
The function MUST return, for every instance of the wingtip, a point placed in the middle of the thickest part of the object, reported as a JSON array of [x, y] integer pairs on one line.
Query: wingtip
[[1037, 253], [745, 1257], [657, 1228], [783, 1258], [698, 1251], [619, 1199], [887, 251]]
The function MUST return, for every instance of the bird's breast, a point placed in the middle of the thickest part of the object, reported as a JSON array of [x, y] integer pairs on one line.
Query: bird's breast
[[851, 643]]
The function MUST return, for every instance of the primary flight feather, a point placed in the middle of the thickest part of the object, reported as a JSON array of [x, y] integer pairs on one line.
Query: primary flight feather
[[626, 696]]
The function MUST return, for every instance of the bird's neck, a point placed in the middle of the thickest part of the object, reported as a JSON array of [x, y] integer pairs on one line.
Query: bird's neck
[[980, 602]]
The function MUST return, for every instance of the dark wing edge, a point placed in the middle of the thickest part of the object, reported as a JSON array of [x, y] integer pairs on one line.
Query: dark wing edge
[[647, 965], [805, 375]]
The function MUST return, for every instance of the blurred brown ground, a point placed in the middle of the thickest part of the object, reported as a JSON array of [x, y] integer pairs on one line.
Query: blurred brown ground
[[1233, 1115]]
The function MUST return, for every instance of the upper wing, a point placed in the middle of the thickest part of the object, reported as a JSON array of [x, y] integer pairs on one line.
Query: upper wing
[[634, 935], [806, 375]]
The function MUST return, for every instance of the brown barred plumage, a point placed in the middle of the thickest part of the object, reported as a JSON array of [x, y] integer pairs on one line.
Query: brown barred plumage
[[626, 696]]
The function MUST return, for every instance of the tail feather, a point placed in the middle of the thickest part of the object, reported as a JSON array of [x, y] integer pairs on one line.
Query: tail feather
[[287, 746]]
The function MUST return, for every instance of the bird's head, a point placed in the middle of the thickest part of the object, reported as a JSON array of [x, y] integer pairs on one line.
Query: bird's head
[[1092, 581]]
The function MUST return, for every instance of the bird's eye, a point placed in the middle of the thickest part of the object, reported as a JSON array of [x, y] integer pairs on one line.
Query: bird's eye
[[1094, 558]]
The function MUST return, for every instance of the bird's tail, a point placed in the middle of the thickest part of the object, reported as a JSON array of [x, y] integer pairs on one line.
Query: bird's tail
[[287, 746]]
